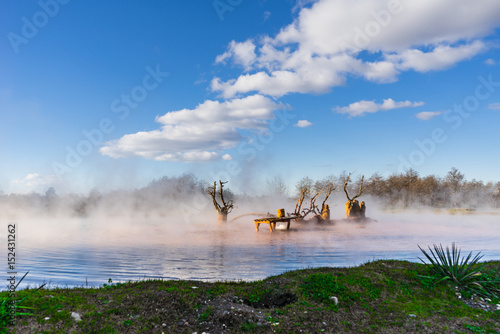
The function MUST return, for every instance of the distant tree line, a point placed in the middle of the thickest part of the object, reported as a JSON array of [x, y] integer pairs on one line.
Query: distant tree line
[[409, 189], [164, 196], [160, 197]]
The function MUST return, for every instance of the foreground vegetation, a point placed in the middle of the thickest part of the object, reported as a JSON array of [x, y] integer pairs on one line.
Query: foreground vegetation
[[378, 297]]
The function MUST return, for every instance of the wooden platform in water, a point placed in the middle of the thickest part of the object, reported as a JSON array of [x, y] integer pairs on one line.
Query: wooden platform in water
[[272, 222]]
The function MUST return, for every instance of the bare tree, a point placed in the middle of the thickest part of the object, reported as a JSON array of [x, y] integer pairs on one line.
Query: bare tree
[[222, 209], [313, 208], [276, 187], [454, 181], [497, 194], [352, 207], [306, 184], [325, 208], [300, 201], [319, 214]]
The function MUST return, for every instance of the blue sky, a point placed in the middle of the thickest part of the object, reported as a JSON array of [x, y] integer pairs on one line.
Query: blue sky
[[115, 94]]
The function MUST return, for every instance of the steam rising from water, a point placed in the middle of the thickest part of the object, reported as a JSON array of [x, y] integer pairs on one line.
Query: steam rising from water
[[169, 230]]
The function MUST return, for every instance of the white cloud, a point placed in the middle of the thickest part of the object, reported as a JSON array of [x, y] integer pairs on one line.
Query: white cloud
[[494, 106], [490, 61], [301, 3], [362, 107], [303, 123], [309, 75], [242, 53], [322, 47], [197, 135], [35, 182], [427, 115], [441, 57]]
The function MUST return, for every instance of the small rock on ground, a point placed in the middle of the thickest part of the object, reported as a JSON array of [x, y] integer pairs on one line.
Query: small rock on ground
[[76, 316]]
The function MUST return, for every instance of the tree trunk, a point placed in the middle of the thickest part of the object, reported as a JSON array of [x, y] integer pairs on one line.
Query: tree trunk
[[222, 217], [325, 215], [222, 209], [362, 210], [352, 209]]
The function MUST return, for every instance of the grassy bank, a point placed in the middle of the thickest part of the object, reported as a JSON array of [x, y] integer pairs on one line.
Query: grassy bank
[[378, 297]]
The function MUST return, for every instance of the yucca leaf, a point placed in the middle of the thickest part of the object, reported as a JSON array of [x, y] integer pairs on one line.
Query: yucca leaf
[[449, 264]]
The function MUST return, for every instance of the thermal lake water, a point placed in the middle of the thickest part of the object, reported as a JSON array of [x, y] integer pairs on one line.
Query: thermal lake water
[[80, 252]]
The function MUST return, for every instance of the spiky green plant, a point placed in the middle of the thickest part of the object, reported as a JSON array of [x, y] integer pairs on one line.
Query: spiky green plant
[[465, 272], [8, 304]]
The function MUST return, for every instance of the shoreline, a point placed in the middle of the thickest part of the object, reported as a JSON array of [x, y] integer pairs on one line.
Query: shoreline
[[378, 296]]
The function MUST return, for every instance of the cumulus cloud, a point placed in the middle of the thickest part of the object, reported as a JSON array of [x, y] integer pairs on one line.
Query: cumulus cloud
[[441, 57], [303, 123], [494, 106], [242, 54], [199, 134], [427, 115], [329, 41], [362, 107]]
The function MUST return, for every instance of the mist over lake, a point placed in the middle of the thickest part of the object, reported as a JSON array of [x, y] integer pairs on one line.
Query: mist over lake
[[79, 252]]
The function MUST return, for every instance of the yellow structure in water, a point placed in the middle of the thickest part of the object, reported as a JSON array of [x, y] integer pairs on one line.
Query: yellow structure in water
[[281, 213], [325, 214], [362, 209], [355, 209], [352, 208]]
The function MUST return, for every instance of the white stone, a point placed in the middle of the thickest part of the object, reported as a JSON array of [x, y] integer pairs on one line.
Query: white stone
[[76, 316], [47, 318]]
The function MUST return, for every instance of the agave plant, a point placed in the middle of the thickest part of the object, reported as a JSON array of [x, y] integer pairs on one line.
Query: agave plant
[[465, 272], [7, 304]]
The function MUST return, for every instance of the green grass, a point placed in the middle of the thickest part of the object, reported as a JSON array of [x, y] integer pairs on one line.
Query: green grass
[[206, 314], [376, 297], [9, 308], [321, 287]]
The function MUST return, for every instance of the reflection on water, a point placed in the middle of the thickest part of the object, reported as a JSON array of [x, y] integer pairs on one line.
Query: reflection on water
[[80, 252]]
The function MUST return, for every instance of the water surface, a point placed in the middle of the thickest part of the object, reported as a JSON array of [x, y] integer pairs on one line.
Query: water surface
[[88, 252]]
